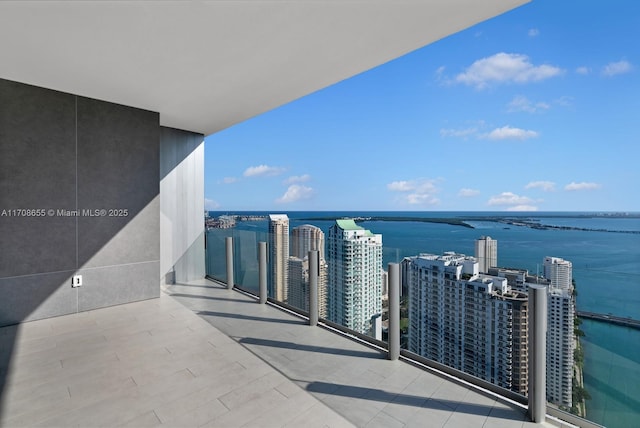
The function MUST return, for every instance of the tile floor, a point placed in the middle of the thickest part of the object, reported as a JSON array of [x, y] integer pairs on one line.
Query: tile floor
[[202, 355]]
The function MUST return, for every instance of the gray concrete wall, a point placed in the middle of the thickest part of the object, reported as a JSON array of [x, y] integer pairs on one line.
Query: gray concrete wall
[[61, 152], [181, 206]]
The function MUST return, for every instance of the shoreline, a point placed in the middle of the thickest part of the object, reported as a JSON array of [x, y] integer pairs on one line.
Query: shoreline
[[463, 222], [449, 221]]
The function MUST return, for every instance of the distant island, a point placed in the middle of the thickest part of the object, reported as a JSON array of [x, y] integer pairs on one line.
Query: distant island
[[451, 221], [533, 223], [530, 222]]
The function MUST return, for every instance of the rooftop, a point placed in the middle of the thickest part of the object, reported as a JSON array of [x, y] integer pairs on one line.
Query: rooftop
[[348, 224], [202, 355]]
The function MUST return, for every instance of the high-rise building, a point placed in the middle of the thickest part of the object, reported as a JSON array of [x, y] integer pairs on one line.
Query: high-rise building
[[278, 256], [486, 253], [560, 319], [469, 321], [385, 284], [405, 268], [354, 283], [560, 335], [298, 294], [307, 238], [559, 272], [518, 279]]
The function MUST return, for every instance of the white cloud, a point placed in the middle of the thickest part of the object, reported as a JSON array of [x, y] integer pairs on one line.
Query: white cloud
[[229, 180], [582, 186], [417, 186], [417, 192], [467, 193], [263, 170], [614, 68], [294, 193], [533, 32], [523, 208], [509, 198], [297, 179], [510, 133], [210, 204], [421, 199], [521, 103], [504, 68], [564, 101], [460, 133], [583, 70], [547, 186], [400, 186]]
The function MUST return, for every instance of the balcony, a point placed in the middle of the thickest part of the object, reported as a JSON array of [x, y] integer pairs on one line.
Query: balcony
[[205, 355]]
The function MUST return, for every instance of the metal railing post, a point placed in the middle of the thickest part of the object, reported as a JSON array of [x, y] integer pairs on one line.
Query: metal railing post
[[314, 256], [229, 252], [394, 311], [262, 271], [537, 353]]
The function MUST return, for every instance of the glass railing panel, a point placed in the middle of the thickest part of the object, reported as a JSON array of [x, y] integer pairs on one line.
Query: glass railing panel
[[245, 246], [215, 261]]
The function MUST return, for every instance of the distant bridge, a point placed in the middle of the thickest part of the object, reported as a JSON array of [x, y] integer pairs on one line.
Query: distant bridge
[[626, 322]]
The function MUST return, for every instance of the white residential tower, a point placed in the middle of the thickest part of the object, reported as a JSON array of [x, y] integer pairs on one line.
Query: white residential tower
[[354, 284]]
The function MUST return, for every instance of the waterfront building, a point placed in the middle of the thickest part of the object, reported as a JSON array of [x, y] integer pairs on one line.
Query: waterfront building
[[322, 289], [466, 320], [385, 284], [486, 253], [303, 239], [354, 284], [405, 266], [298, 294], [518, 279], [560, 322], [306, 238], [560, 331], [559, 272], [278, 256]]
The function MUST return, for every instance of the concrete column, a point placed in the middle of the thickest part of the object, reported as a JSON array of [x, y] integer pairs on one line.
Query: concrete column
[[537, 353], [262, 271], [314, 257], [394, 311], [229, 248]]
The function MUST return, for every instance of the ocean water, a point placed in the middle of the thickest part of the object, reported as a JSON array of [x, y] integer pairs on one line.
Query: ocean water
[[606, 268]]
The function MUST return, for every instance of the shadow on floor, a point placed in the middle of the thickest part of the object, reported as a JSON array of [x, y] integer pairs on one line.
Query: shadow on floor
[[184, 284], [249, 317], [222, 299], [407, 400], [319, 349]]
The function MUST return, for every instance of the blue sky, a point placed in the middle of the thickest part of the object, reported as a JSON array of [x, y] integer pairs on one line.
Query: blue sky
[[537, 109]]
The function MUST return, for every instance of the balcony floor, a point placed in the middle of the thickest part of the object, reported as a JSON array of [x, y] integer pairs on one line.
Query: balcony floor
[[206, 356]]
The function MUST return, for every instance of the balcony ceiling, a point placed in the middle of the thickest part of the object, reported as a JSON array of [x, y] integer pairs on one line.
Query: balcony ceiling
[[207, 65]]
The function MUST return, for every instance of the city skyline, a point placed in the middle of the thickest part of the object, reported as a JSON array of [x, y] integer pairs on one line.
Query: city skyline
[[532, 110]]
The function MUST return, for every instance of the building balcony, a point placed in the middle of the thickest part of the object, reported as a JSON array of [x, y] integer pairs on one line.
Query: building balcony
[[202, 355]]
